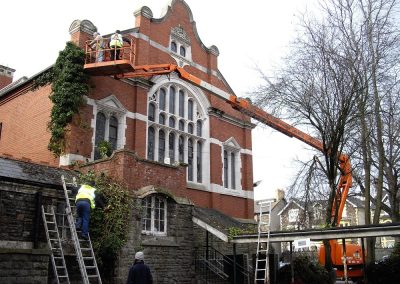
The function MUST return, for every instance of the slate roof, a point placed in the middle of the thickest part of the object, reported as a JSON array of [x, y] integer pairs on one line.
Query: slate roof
[[220, 221], [32, 173]]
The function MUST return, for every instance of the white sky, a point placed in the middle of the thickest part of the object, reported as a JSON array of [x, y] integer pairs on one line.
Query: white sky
[[247, 33]]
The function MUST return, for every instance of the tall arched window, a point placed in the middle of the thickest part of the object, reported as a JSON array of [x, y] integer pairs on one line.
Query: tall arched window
[[152, 112], [199, 128], [181, 103], [190, 109], [233, 171], [172, 136], [190, 159], [199, 162], [113, 132], [226, 173], [171, 148], [150, 143], [172, 100], [181, 149], [161, 99], [161, 146], [100, 132]]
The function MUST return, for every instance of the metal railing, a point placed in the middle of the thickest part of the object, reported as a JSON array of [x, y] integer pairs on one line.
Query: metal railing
[[126, 52], [215, 267]]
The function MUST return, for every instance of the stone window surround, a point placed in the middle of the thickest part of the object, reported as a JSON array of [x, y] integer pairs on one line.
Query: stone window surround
[[152, 231], [231, 147]]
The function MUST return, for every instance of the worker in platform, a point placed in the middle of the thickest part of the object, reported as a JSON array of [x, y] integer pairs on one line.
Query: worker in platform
[[139, 273], [98, 44], [86, 199], [116, 43]]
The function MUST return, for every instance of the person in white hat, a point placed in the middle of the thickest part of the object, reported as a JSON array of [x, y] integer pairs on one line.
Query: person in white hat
[[97, 44], [139, 273]]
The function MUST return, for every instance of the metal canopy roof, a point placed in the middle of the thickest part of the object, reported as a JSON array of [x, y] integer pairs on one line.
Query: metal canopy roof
[[389, 229]]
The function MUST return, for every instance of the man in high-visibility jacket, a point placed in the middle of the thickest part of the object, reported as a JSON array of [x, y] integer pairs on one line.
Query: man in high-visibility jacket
[[86, 199], [116, 43]]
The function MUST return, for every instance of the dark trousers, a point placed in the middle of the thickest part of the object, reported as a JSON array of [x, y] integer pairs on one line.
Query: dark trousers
[[83, 216], [115, 53]]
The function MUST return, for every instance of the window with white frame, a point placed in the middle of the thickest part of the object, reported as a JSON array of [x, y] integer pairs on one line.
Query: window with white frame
[[175, 129], [231, 164], [154, 218], [109, 125], [318, 212], [180, 45], [293, 215]]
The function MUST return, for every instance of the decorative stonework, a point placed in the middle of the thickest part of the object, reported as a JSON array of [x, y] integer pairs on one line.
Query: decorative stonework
[[82, 26], [144, 11], [214, 50], [179, 34]]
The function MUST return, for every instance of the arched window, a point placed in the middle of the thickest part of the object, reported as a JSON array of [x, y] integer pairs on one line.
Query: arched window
[[154, 216], [161, 99], [199, 162], [190, 159], [113, 132], [181, 149], [174, 47], [150, 143], [172, 100], [172, 122], [226, 173], [182, 125], [161, 119], [173, 136], [152, 112], [182, 51], [181, 103], [199, 128], [161, 146], [171, 148], [190, 109], [100, 132], [190, 128], [233, 171]]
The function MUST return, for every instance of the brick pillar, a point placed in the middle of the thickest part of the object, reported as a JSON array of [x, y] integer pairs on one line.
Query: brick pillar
[[81, 31], [6, 76]]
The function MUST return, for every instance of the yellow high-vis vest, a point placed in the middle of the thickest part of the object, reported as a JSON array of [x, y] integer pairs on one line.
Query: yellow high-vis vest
[[86, 192]]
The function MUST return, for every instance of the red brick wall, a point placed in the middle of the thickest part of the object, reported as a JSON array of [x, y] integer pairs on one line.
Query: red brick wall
[[4, 81], [24, 132]]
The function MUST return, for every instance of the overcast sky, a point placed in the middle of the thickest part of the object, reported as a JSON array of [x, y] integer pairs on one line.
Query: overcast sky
[[247, 33]]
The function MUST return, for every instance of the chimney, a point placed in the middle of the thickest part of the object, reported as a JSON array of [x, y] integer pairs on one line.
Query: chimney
[[81, 31], [6, 76], [280, 194]]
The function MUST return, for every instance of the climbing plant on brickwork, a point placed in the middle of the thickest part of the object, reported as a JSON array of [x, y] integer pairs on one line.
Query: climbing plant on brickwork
[[109, 230], [68, 86]]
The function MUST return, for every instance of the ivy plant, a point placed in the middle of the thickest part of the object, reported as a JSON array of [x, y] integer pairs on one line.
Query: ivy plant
[[109, 230], [69, 84]]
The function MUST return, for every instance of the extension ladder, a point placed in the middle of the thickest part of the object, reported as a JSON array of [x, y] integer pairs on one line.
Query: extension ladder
[[84, 250], [262, 264], [55, 245]]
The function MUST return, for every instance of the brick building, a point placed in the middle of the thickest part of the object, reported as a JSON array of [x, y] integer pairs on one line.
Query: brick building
[[169, 138], [162, 119]]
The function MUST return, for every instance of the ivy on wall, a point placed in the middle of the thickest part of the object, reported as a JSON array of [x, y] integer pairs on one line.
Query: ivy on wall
[[69, 85], [109, 230]]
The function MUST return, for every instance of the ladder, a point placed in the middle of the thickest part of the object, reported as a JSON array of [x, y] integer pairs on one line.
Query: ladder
[[55, 245], [84, 250], [262, 264]]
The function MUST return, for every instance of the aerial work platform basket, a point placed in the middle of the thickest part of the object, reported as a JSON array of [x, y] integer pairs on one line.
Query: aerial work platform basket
[[109, 66]]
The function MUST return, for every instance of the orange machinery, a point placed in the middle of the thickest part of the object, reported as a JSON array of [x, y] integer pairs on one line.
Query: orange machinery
[[125, 68]]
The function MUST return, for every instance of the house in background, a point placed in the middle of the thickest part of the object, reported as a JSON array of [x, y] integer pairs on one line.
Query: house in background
[[177, 146], [276, 206]]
